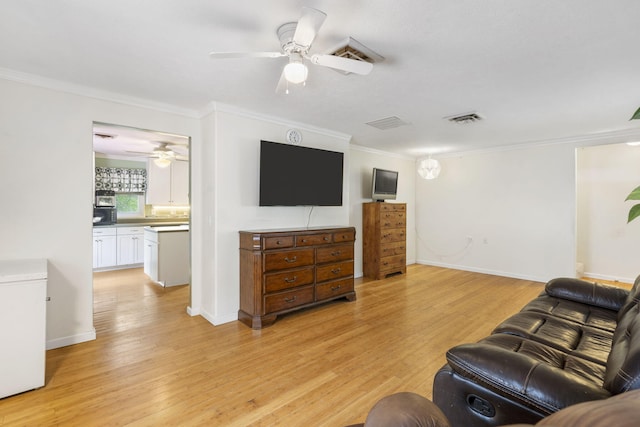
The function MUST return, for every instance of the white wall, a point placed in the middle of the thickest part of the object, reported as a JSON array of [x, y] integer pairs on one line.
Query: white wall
[[608, 247], [234, 180], [516, 206], [363, 161], [46, 168]]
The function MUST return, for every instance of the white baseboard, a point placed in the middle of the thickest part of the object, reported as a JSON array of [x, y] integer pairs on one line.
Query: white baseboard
[[485, 271], [609, 277], [71, 340]]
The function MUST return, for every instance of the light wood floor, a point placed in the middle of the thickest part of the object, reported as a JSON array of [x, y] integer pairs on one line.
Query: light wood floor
[[152, 364]]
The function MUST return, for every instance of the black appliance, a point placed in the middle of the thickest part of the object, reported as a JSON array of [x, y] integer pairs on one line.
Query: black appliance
[[104, 216], [291, 175], [105, 198]]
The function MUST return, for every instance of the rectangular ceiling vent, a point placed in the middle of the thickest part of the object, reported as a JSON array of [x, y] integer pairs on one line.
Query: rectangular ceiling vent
[[353, 49], [465, 118], [387, 123]]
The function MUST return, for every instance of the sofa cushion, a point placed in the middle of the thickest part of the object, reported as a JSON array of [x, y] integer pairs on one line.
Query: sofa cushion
[[583, 314], [531, 373], [569, 337], [585, 292]]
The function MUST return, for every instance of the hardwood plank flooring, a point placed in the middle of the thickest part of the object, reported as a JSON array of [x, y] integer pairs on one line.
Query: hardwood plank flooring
[[153, 364]]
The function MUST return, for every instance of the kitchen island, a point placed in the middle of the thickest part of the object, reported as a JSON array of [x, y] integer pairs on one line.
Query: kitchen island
[[166, 254]]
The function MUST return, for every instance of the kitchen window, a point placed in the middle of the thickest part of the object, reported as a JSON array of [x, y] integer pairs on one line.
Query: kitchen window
[[130, 205]]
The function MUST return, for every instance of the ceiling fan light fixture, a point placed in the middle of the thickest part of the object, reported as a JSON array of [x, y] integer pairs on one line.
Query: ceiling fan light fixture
[[295, 71], [162, 162]]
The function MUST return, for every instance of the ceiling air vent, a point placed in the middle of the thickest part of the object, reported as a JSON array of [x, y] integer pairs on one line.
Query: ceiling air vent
[[387, 123], [353, 49], [465, 118]]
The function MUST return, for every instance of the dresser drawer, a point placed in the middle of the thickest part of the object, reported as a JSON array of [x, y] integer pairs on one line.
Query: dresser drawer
[[396, 248], [334, 271], [313, 239], [393, 262], [393, 207], [277, 242], [393, 220], [334, 253], [333, 289], [287, 259], [287, 300], [392, 235], [345, 236], [274, 282]]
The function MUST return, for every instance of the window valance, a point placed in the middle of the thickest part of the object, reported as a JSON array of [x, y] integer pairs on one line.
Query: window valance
[[122, 180]]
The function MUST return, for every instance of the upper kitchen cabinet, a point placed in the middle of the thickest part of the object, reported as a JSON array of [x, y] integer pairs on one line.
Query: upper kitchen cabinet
[[168, 186]]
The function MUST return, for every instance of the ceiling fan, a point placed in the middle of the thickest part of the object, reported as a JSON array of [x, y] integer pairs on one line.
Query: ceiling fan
[[163, 155], [295, 41]]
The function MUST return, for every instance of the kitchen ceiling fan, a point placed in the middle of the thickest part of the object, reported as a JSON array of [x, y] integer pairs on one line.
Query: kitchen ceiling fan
[[295, 41], [162, 154]]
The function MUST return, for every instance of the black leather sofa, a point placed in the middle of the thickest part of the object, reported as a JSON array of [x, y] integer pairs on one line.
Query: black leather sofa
[[578, 341]]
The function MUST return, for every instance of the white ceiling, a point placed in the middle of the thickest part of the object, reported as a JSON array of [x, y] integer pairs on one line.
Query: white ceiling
[[535, 70]]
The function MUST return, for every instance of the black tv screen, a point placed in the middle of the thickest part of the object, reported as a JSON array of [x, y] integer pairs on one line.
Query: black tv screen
[[291, 175], [384, 184]]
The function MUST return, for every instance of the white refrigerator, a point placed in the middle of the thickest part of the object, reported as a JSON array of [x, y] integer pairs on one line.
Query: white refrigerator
[[23, 317]]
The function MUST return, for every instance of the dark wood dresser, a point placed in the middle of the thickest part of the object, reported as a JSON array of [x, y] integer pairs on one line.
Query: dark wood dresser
[[290, 269], [384, 244]]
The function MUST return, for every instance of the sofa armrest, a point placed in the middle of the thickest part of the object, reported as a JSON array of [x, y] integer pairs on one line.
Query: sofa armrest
[[592, 293], [525, 379]]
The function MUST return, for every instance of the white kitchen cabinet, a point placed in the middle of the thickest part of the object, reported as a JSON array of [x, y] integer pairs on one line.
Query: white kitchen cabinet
[[130, 248], [151, 255], [167, 257], [104, 247], [168, 186], [23, 317]]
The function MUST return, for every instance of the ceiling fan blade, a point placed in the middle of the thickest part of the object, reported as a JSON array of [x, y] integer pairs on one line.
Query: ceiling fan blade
[[344, 64], [308, 26], [233, 55], [283, 85]]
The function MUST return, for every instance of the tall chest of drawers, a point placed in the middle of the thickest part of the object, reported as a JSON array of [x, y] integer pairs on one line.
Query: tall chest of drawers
[[384, 228], [286, 270]]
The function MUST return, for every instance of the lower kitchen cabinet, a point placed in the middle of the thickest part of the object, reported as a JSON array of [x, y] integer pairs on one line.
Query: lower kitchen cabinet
[[104, 247], [166, 255], [130, 248]]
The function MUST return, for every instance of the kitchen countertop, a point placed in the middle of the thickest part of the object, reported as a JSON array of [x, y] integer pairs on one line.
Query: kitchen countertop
[[145, 224], [165, 228]]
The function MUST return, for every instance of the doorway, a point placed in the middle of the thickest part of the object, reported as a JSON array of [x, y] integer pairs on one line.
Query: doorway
[[606, 246], [148, 173]]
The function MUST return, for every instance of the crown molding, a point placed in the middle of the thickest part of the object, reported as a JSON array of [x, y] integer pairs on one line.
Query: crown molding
[[232, 109], [75, 89], [380, 152], [596, 138]]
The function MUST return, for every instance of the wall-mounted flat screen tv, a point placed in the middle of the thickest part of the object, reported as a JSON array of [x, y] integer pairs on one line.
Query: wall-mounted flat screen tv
[[291, 175], [384, 184]]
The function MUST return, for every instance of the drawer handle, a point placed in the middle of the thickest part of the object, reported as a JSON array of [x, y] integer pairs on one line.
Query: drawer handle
[[304, 240], [336, 270], [294, 259], [286, 279], [336, 288], [278, 242], [290, 300], [387, 224], [336, 253], [325, 238]]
